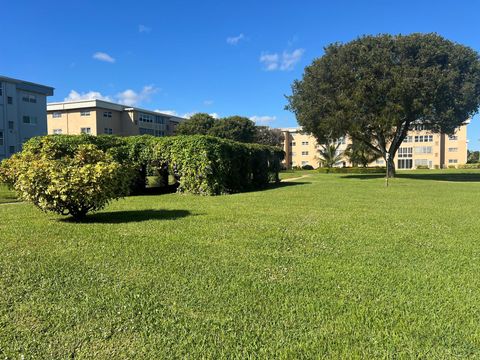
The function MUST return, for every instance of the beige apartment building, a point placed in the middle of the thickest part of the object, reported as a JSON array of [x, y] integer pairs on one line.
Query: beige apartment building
[[420, 148], [97, 117]]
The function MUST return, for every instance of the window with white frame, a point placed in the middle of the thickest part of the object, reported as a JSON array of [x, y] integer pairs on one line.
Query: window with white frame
[[452, 161], [423, 149], [32, 120], [379, 162], [452, 149], [85, 130], [421, 162], [29, 98], [108, 131], [423, 138], [304, 143], [146, 118], [408, 139], [405, 163], [85, 113], [304, 153], [57, 131], [405, 152], [452, 137], [57, 114]]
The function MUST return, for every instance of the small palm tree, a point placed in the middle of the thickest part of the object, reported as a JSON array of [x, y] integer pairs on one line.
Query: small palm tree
[[329, 154]]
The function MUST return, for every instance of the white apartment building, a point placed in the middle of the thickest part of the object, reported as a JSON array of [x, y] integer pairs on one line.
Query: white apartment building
[[23, 113]]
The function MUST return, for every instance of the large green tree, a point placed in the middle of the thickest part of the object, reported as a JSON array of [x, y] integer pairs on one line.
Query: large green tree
[[266, 135], [198, 124], [235, 128], [375, 88]]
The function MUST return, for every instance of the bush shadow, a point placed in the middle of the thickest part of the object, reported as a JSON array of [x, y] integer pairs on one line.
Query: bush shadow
[[281, 184], [131, 216]]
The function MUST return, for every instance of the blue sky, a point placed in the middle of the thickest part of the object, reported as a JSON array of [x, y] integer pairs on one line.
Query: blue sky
[[220, 57]]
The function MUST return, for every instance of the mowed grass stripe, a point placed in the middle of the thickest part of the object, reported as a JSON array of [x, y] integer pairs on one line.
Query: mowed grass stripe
[[329, 265]]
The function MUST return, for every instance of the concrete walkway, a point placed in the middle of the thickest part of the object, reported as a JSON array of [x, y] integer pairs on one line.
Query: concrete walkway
[[297, 178]]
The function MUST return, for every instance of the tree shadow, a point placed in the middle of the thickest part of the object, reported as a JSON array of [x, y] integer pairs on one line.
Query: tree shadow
[[273, 186], [131, 216], [452, 177]]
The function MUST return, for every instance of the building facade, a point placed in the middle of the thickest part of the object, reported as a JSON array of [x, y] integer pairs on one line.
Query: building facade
[[419, 149], [97, 117], [23, 113]]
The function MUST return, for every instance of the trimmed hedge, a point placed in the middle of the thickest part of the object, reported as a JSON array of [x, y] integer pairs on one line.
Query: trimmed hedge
[[203, 165], [353, 170], [469, 166]]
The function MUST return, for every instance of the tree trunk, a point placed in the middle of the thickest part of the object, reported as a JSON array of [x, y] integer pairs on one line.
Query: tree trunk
[[391, 167]]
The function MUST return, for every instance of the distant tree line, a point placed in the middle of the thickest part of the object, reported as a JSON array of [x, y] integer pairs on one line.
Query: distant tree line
[[237, 128]]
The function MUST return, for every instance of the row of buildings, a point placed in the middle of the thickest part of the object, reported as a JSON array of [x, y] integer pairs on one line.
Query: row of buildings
[[420, 148], [24, 113]]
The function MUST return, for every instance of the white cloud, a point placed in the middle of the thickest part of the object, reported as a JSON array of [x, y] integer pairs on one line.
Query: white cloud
[[128, 97], [103, 57], [208, 102], [91, 95], [263, 120], [168, 112], [132, 98], [144, 29], [234, 40], [284, 62], [289, 60], [270, 61]]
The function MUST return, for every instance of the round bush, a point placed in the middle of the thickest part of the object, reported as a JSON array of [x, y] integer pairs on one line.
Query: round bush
[[86, 180]]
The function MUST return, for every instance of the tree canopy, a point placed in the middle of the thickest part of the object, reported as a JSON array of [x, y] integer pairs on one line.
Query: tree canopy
[[237, 128], [198, 124], [375, 88]]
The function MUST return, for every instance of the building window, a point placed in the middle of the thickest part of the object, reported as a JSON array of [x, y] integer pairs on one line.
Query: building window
[[85, 130], [32, 120], [452, 137], [379, 162], [405, 152], [304, 143], [1, 138], [421, 162], [85, 113], [11, 125], [9, 100], [159, 133], [405, 163], [145, 118], [144, 131], [452, 161], [11, 149], [423, 149], [57, 131], [108, 131], [29, 98], [304, 163], [57, 114], [408, 139], [293, 143], [1, 90], [304, 153], [160, 119], [107, 114], [424, 138], [452, 149]]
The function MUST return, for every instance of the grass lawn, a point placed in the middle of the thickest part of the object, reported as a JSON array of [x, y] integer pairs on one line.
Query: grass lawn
[[6, 196], [332, 265]]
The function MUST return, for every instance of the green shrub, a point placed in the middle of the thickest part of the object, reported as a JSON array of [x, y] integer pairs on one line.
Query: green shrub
[[307, 167], [422, 167], [452, 166], [86, 179], [469, 166], [353, 170]]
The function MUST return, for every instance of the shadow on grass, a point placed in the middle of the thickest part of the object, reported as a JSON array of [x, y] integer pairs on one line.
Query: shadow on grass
[[454, 177], [282, 184], [131, 216]]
